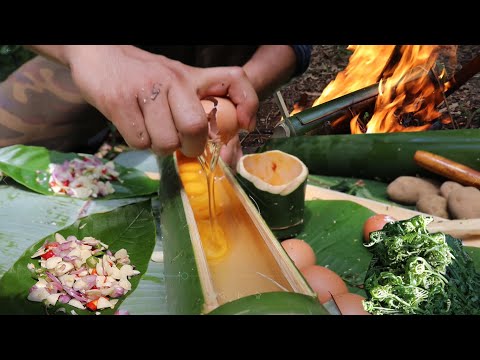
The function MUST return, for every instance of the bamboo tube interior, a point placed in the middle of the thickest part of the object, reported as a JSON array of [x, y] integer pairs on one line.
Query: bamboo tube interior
[[248, 266]]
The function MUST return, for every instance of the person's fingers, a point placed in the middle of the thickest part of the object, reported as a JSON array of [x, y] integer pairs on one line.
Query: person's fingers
[[129, 121], [190, 119], [158, 120], [232, 152], [232, 81]]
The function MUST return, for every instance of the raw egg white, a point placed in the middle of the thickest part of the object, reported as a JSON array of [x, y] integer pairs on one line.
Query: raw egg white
[[350, 304], [300, 252], [374, 223], [225, 117], [324, 282]]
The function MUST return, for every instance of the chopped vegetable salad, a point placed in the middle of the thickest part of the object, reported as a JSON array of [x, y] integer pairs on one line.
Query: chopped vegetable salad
[[82, 273]]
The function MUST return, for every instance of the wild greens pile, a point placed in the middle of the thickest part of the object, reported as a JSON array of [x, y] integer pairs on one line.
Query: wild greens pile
[[417, 272]]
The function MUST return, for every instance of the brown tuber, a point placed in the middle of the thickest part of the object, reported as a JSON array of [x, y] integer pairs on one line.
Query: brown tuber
[[448, 186], [433, 204], [464, 203], [409, 189]]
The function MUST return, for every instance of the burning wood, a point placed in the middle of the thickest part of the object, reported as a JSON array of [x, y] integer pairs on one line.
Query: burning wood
[[330, 117], [406, 91], [417, 98]]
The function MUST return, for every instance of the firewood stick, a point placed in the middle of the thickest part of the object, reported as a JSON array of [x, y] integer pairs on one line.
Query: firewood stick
[[392, 62], [448, 168], [461, 77]]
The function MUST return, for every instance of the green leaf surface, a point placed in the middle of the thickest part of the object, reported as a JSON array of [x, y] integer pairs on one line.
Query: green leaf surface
[[150, 297], [279, 303], [474, 253], [131, 227], [26, 217], [334, 229], [28, 165]]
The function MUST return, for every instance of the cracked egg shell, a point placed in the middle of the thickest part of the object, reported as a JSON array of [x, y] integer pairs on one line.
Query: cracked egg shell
[[225, 116]]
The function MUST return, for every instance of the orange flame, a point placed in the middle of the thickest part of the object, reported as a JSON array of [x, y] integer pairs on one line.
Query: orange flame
[[408, 91], [409, 95], [300, 104], [297, 107], [364, 68]]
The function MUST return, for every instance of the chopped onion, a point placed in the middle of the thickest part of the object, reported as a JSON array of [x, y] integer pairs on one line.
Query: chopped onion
[[90, 280], [69, 258], [68, 280], [117, 292], [83, 177], [64, 298], [78, 271], [54, 279], [65, 246], [75, 294]]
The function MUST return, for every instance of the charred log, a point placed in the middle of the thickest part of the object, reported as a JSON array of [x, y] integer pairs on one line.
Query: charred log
[[461, 77]]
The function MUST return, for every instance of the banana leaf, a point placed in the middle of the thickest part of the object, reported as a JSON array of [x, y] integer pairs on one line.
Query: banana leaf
[[334, 230], [150, 297], [272, 303], [131, 227], [381, 157], [28, 165], [26, 217]]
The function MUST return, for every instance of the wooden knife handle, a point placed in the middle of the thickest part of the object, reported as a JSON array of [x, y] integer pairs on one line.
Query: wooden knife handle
[[448, 168]]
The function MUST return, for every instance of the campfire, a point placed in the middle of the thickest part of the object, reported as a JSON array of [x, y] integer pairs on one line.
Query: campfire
[[384, 88]]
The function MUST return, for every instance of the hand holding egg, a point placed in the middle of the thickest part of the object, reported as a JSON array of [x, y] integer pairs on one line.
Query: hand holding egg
[[222, 117]]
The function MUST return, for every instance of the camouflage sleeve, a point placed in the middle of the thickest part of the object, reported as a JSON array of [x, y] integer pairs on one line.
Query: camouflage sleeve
[[40, 105]]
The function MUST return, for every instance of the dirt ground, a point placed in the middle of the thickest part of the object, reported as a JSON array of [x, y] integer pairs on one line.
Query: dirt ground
[[327, 61]]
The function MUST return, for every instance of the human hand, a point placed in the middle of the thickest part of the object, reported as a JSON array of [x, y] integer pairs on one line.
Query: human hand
[[153, 101], [232, 152]]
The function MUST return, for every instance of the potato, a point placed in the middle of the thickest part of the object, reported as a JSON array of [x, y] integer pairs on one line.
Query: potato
[[433, 204], [448, 186], [408, 189], [464, 203]]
